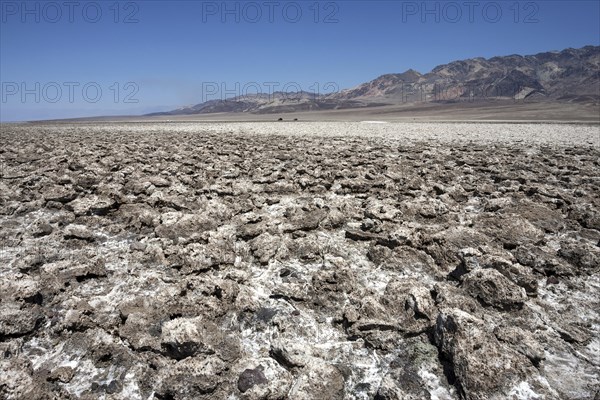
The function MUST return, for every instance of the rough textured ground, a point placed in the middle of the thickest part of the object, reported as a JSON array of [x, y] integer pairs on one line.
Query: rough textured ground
[[300, 261]]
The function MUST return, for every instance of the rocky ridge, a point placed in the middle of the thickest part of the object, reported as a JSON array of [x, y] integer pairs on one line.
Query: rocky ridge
[[567, 76]]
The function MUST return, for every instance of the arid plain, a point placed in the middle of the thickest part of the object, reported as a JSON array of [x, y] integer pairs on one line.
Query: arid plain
[[370, 259]]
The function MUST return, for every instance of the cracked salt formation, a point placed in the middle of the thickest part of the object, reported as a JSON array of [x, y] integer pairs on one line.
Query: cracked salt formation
[[303, 260]]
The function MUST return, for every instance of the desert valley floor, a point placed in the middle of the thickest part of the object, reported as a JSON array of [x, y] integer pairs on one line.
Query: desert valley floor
[[299, 260]]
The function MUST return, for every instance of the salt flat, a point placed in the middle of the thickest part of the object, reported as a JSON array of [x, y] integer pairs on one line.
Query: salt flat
[[264, 260], [481, 132]]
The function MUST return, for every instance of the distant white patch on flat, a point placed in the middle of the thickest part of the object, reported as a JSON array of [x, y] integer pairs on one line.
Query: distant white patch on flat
[[374, 122]]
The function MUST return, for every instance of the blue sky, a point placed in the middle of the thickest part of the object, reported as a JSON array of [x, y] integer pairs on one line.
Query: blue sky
[[88, 58]]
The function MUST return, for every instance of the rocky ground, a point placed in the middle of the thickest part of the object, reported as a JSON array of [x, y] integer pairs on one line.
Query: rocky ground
[[300, 261]]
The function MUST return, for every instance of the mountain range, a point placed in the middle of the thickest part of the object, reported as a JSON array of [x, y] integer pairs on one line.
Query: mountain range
[[570, 75]]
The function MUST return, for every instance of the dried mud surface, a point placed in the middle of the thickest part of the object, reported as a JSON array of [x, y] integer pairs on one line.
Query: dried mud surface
[[300, 261]]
